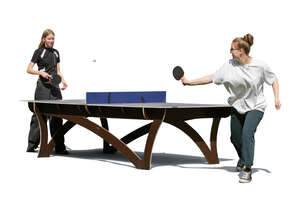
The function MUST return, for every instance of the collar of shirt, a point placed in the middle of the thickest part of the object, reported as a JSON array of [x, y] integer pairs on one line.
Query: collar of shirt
[[49, 49], [235, 63]]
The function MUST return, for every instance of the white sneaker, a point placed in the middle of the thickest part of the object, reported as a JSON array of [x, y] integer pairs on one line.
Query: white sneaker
[[245, 175]]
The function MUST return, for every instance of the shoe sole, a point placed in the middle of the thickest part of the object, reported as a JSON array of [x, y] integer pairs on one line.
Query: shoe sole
[[245, 180]]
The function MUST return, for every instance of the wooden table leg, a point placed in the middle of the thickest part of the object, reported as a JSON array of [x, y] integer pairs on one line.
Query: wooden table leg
[[44, 151], [213, 141], [211, 155], [149, 144]]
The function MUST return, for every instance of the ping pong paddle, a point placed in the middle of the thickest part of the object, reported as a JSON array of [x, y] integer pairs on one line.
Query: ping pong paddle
[[178, 72], [56, 79]]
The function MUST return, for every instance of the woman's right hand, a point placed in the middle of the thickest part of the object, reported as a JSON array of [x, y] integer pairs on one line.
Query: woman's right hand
[[184, 81], [45, 75]]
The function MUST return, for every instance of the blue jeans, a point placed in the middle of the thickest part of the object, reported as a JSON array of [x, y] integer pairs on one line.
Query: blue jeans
[[243, 128]]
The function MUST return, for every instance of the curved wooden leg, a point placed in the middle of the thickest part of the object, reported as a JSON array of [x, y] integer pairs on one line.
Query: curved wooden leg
[[145, 163], [152, 129], [213, 139], [149, 144], [107, 136], [139, 163], [44, 151], [136, 133], [210, 155], [107, 148]]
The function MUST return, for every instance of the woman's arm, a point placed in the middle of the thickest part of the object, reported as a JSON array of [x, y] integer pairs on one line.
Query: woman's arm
[[65, 85], [30, 70], [275, 86], [200, 81]]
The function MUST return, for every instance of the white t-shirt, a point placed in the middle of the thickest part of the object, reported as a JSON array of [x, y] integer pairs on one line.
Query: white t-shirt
[[245, 84]]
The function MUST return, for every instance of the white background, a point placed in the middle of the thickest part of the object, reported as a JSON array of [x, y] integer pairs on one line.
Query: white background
[[135, 45]]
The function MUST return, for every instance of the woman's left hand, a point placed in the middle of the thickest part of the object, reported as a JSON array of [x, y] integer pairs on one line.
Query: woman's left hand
[[65, 85]]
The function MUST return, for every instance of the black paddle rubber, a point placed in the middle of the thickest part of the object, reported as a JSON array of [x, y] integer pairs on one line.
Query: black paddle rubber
[[178, 72], [56, 79]]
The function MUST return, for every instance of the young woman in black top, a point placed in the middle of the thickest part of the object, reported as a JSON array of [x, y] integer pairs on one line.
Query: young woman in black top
[[48, 61]]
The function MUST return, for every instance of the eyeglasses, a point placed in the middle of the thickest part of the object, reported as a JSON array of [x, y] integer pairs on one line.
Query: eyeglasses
[[231, 49]]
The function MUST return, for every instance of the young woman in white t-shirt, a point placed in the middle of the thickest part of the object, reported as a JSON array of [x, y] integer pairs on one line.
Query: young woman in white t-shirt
[[243, 77]]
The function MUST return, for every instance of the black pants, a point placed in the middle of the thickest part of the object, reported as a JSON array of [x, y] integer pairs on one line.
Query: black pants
[[46, 92]]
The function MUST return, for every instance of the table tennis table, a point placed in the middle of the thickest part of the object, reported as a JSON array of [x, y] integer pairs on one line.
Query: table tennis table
[[175, 114]]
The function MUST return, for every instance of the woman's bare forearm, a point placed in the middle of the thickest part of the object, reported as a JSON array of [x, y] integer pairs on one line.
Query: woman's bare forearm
[[200, 81], [30, 69], [275, 87]]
